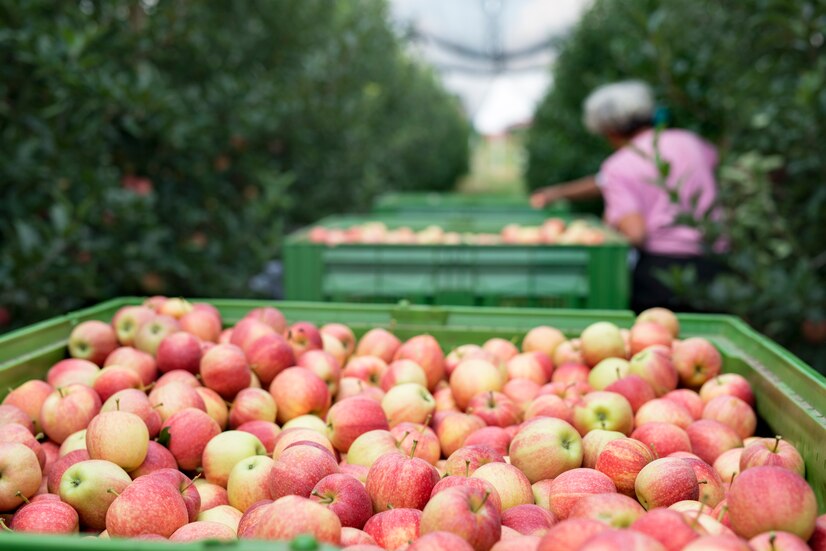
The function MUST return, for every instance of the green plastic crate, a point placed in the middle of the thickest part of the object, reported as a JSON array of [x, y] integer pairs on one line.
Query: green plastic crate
[[790, 396], [415, 203], [558, 276]]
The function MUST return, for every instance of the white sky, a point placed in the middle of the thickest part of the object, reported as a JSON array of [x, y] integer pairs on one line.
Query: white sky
[[493, 101]]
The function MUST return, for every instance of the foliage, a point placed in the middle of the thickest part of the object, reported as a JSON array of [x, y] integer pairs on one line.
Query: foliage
[[751, 76], [165, 147]]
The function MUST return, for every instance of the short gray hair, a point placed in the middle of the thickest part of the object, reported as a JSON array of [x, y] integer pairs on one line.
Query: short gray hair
[[619, 108]]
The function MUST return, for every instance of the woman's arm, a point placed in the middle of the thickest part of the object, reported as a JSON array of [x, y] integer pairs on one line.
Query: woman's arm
[[632, 226], [584, 188]]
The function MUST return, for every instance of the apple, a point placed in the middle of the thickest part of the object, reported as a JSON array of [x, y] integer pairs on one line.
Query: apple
[[114, 378], [408, 402], [179, 350], [482, 485], [549, 405], [662, 438], [668, 527], [174, 307], [622, 539], [511, 484], [252, 404], [545, 447], [29, 397], [127, 321], [621, 460], [203, 324], [151, 333], [772, 451], [601, 340], [495, 408], [265, 431], [178, 376], [119, 437], [380, 343], [542, 338], [20, 434], [186, 488], [615, 510], [710, 438], [307, 421], [14, 415], [654, 364], [92, 340], [696, 361], [343, 334], [733, 412], [467, 352], [663, 317], [437, 541], [369, 446], [75, 441], [299, 468], [291, 516], [724, 542], [727, 465], [150, 505], [90, 487], [663, 411], [225, 514], [138, 361], [249, 520], [666, 481], [48, 516], [298, 391], [68, 410], [72, 371], [402, 371], [521, 391], [21, 474], [454, 428], [689, 399], [288, 437], [211, 494], [634, 388], [778, 541], [466, 512], [818, 539], [503, 350], [224, 369], [247, 331], [604, 410], [472, 377], [370, 369], [248, 481], [269, 315], [189, 430], [395, 528], [571, 534], [496, 438], [528, 365], [203, 530], [425, 351], [571, 486], [304, 336], [648, 333], [157, 458], [346, 497], [352, 417], [727, 384], [268, 356], [214, 405], [399, 481], [465, 460], [226, 449], [607, 371], [594, 442], [768, 498], [571, 373], [568, 352], [324, 365], [358, 539]]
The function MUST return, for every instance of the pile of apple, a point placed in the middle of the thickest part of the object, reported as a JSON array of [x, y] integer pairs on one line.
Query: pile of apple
[[552, 231], [163, 425]]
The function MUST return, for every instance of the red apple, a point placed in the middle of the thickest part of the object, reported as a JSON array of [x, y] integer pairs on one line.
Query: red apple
[[510, 483], [211, 494], [252, 404], [118, 436], [727, 464], [296, 435], [157, 458], [818, 539], [115, 378], [21, 474], [661, 410], [268, 356], [465, 460], [214, 405], [571, 534], [542, 339], [29, 397], [247, 331], [503, 350], [615, 510], [604, 410], [529, 365], [666, 481], [668, 527], [90, 487], [399, 481], [186, 488], [772, 451], [594, 442], [224, 369], [127, 321], [60, 466], [710, 438], [151, 333], [346, 497], [402, 371], [92, 340], [299, 468], [437, 541], [696, 361], [179, 350], [778, 541], [689, 399], [662, 438], [380, 343], [725, 542], [606, 372], [150, 505], [419, 440], [466, 512], [549, 405], [50, 516], [138, 361], [467, 352], [203, 530], [571, 373], [14, 415], [546, 447], [356, 539], [568, 352], [304, 336], [266, 432], [203, 324], [621, 461], [455, 428], [189, 432], [369, 369], [72, 371], [496, 438], [269, 315], [495, 408], [472, 377], [571, 486], [394, 528], [663, 317], [727, 384], [635, 389], [344, 335], [627, 540], [654, 364], [324, 365], [352, 417], [68, 410], [425, 351], [298, 391], [733, 412], [647, 333]]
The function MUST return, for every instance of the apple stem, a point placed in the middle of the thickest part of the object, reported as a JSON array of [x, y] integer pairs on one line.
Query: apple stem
[[60, 391], [654, 450], [723, 511], [484, 500], [191, 482], [404, 437], [112, 491], [467, 468], [147, 388], [731, 481], [4, 527], [158, 405], [39, 436], [413, 448], [619, 375], [117, 404], [21, 496], [390, 506], [699, 512], [426, 422], [491, 401], [777, 440]]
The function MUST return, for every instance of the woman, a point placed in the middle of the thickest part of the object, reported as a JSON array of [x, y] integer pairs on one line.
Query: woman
[[652, 178]]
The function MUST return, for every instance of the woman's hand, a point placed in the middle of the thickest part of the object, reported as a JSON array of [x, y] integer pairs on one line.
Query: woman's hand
[[546, 196]]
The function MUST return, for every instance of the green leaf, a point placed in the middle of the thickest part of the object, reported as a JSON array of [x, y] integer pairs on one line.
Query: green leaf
[[164, 437]]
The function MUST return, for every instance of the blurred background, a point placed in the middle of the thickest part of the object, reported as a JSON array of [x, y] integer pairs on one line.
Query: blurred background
[[168, 146]]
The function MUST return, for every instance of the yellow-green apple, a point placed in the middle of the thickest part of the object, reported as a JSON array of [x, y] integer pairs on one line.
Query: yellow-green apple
[[542, 493], [710, 438], [179, 350], [150, 505], [226, 449], [378, 342], [607, 371], [59, 467], [510, 483], [203, 530], [188, 491], [465, 460], [369, 446], [571, 486], [352, 417], [733, 412], [727, 464], [689, 399], [269, 355], [594, 442], [466, 512], [670, 528], [118, 436], [21, 474], [396, 480], [542, 338], [288, 437], [346, 497], [304, 336], [438, 541], [402, 371], [157, 458], [666, 481], [114, 378], [648, 333], [151, 333], [298, 391], [660, 410], [571, 534], [545, 447], [299, 468], [72, 371], [395, 528], [202, 323], [454, 428], [90, 487], [14, 415], [138, 361], [662, 439], [569, 351], [571, 373], [92, 340], [689, 506], [225, 514], [601, 340], [343, 334], [214, 405], [425, 351], [291, 516], [189, 432], [621, 460], [778, 541], [307, 421], [75, 441], [224, 369], [503, 350], [722, 542], [174, 307], [211, 494], [654, 364], [29, 397], [444, 400], [270, 315], [324, 365], [622, 539], [482, 485], [248, 481], [615, 510], [727, 384], [604, 410], [46, 516], [266, 432], [635, 389], [370, 369], [696, 361], [128, 319], [549, 405], [663, 317], [496, 438], [771, 498], [407, 402], [68, 410], [772, 451], [252, 404], [529, 365], [472, 377]]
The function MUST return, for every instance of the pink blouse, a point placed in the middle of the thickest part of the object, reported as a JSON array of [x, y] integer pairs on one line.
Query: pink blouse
[[631, 183]]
